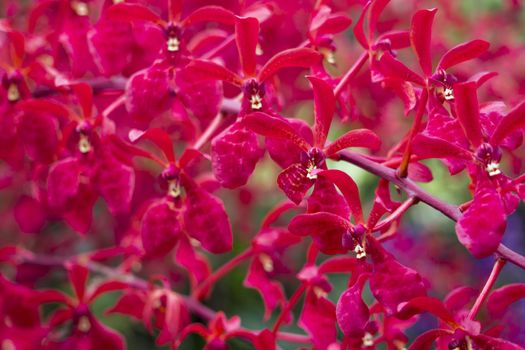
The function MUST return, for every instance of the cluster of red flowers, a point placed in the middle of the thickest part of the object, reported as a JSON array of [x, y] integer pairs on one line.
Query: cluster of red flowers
[[126, 126]]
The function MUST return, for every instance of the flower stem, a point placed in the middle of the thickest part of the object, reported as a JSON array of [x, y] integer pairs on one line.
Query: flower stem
[[396, 214], [288, 307], [294, 338], [403, 167], [351, 73], [413, 189], [220, 272], [208, 133], [498, 265]]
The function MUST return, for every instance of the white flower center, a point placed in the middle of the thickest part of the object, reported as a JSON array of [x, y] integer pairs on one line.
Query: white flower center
[[493, 168], [256, 101], [173, 44], [359, 251], [12, 93]]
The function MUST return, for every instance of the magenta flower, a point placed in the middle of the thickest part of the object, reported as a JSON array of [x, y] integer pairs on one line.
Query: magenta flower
[[86, 332], [477, 143], [298, 177], [186, 208], [235, 152]]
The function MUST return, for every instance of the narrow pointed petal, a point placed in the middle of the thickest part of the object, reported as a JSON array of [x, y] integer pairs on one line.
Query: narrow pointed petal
[[84, 95], [355, 138], [423, 304], [348, 188], [247, 37], [301, 57], [425, 340], [210, 14], [326, 198], [318, 320], [159, 137], [375, 12], [467, 110], [359, 29], [426, 147], [324, 108], [174, 10], [268, 126], [500, 299], [78, 276], [463, 52], [271, 291], [131, 12], [514, 120], [200, 70], [205, 219], [326, 230], [391, 67], [420, 37]]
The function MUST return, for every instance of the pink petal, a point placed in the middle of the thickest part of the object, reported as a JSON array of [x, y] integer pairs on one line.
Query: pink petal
[[159, 137], [78, 276], [294, 182], [352, 312], [234, 155], [131, 12], [318, 319], [274, 127], [467, 110], [463, 52], [500, 299], [284, 152], [200, 70], [514, 120], [324, 108], [29, 214], [116, 183], [63, 182], [393, 283], [148, 93], [425, 340], [39, 135], [270, 290], [423, 304], [355, 138], [196, 264], [210, 14], [205, 219], [325, 198], [391, 67], [432, 147], [160, 228], [481, 233], [326, 230], [301, 57], [420, 37], [359, 31], [348, 188], [247, 37]]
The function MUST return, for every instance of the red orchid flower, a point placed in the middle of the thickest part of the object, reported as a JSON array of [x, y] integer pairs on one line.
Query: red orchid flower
[[235, 152], [194, 212], [150, 91], [158, 307], [87, 168], [86, 331], [476, 231], [336, 235], [440, 80], [323, 25], [298, 177], [457, 334]]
